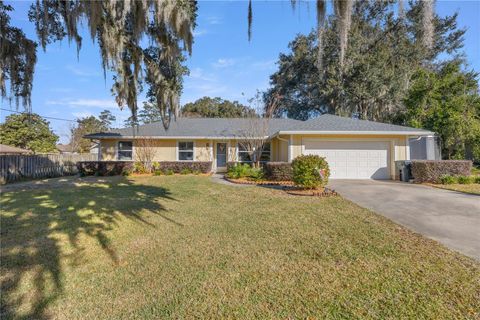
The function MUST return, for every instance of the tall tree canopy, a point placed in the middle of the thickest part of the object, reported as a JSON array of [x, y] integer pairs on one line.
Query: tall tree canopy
[[121, 29], [343, 10], [17, 60], [84, 126], [106, 117], [385, 50], [207, 107], [446, 101], [28, 131]]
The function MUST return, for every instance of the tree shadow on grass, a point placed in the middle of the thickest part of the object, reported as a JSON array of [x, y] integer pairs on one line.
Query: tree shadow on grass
[[37, 226]]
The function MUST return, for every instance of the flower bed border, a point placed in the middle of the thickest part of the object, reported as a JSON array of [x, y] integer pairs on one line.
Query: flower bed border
[[260, 182], [324, 192]]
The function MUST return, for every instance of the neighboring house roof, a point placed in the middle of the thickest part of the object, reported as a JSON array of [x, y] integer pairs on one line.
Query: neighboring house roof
[[64, 147], [4, 149], [236, 127]]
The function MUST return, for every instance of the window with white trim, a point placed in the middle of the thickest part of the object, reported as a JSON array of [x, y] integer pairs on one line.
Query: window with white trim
[[125, 150], [185, 150], [244, 155]]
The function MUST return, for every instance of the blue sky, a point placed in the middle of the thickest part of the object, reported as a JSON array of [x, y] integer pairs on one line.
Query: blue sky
[[223, 62]]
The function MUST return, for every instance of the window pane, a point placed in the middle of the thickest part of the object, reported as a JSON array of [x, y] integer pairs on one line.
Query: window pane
[[187, 146], [266, 147], [125, 145], [185, 155], [124, 155], [244, 157], [241, 148]]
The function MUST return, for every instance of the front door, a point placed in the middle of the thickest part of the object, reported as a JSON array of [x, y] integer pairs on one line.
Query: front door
[[221, 157]]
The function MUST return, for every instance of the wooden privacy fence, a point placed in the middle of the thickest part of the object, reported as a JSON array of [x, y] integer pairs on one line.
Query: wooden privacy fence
[[17, 167]]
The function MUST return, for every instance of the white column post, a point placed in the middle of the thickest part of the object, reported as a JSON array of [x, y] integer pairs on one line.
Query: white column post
[[290, 146], [407, 148]]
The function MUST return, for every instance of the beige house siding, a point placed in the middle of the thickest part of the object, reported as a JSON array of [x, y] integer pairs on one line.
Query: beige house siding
[[108, 150], [281, 147], [203, 150]]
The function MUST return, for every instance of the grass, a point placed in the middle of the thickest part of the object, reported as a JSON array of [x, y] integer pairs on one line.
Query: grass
[[186, 247], [473, 188]]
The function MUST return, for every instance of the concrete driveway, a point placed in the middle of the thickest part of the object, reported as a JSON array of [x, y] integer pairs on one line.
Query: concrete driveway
[[450, 217]]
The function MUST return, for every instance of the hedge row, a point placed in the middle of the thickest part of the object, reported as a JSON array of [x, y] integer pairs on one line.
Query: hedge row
[[432, 170], [179, 166], [104, 168], [112, 168], [278, 171]]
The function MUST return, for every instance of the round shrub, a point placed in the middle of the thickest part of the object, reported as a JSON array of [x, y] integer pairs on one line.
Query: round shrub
[[310, 171], [448, 179], [464, 180]]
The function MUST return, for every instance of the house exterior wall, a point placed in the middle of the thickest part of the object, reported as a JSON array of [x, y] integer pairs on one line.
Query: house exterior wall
[[108, 150], [205, 150], [163, 149]]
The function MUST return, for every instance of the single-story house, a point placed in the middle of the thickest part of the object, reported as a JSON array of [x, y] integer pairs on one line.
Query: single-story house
[[354, 149]]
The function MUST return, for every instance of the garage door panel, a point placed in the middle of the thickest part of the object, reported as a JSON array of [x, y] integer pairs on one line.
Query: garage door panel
[[353, 159]]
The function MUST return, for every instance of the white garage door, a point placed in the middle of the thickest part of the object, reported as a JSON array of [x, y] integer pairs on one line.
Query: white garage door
[[353, 159]]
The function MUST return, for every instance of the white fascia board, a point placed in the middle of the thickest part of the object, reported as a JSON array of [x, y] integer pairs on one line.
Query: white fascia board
[[396, 133], [174, 137]]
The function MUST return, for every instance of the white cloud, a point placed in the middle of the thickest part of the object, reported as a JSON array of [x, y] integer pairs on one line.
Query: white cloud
[[82, 114], [83, 72], [199, 74], [85, 103], [223, 63], [214, 20], [199, 32]]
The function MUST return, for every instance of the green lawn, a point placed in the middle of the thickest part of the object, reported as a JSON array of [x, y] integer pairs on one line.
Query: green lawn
[[473, 188], [186, 247]]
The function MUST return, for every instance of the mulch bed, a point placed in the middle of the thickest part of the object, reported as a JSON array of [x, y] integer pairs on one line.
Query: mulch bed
[[288, 187], [323, 192], [260, 182]]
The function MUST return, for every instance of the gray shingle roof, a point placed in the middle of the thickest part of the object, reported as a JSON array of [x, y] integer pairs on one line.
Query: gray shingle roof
[[233, 127], [328, 122]]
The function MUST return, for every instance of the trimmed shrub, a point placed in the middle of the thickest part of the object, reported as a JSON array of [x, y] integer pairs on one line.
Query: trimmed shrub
[[310, 171], [237, 171], [432, 170], [244, 170], [185, 171], [448, 179], [179, 166], [104, 168], [278, 171], [139, 167], [476, 179], [464, 179]]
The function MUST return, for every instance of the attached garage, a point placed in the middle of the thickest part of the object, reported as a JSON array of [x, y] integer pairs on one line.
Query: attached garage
[[353, 159]]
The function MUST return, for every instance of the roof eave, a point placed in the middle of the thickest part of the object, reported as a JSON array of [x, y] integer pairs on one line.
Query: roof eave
[[170, 137], [395, 133]]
